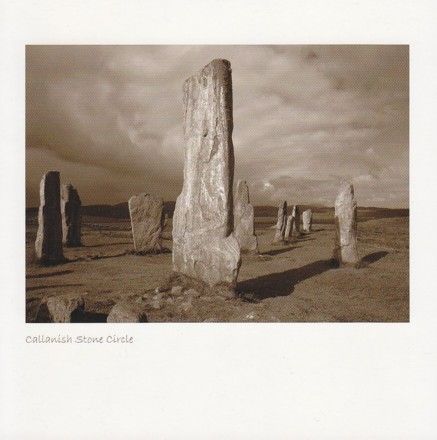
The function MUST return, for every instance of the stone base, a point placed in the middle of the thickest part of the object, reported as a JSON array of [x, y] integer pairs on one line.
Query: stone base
[[155, 251], [50, 262], [73, 245], [225, 290], [338, 263]]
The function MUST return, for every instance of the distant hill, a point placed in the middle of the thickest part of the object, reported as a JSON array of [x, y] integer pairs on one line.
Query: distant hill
[[363, 212], [121, 211]]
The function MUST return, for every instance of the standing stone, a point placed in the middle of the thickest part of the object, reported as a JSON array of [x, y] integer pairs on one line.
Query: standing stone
[[48, 243], [71, 216], [204, 246], [296, 220], [307, 220], [244, 219], [281, 223], [147, 220], [288, 227], [345, 251]]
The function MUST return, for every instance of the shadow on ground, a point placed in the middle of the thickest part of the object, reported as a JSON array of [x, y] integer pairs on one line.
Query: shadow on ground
[[282, 283], [49, 274], [372, 258], [80, 316], [53, 286], [105, 244], [279, 251]]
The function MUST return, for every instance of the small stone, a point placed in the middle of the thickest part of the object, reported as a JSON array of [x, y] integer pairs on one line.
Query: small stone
[[156, 303], [193, 293], [176, 290], [186, 305], [61, 308], [127, 311], [250, 316]]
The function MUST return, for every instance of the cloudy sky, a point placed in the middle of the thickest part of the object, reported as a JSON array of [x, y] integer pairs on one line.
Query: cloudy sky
[[110, 119]]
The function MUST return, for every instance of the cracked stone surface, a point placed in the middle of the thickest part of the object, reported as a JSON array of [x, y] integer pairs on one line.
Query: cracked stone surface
[[281, 224], [71, 216], [345, 251], [307, 220], [48, 243], [244, 226], [147, 221], [204, 245]]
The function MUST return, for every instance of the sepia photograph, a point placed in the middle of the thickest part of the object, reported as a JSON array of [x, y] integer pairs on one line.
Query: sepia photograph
[[202, 183], [218, 220]]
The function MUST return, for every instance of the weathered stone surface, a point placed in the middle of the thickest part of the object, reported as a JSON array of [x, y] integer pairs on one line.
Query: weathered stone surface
[[281, 224], [71, 216], [176, 290], [127, 311], [296, 220], [307, 220], [244, 219], [204, 246], [60, 309], [345, 251], [147, 221], [48, 243], [32, 309], [288, 227]]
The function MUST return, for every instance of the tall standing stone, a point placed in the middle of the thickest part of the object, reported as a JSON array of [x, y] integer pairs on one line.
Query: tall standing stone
[[307, 220], [345, 251], [147, 220], [296, 220], [281, 223], [48, 243], [244, 219], [288, 227], [204, 246], [71, 216]]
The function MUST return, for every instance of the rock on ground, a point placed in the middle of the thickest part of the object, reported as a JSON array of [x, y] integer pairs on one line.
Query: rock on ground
[[48, 243], [204, 246], [244, 223], [345, 250], [127, 311], [147, 221], [61, 309]]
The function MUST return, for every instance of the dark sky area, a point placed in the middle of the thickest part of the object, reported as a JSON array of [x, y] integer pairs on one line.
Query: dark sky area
[[110, 119]]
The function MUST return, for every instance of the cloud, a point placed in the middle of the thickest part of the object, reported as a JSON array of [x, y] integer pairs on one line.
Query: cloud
[[305, 117]]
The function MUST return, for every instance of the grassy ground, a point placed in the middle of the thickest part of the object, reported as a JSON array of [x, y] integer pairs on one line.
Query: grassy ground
[[295, 282]]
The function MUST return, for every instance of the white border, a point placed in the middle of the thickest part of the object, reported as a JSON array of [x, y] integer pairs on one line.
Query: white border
[[222, 381]]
